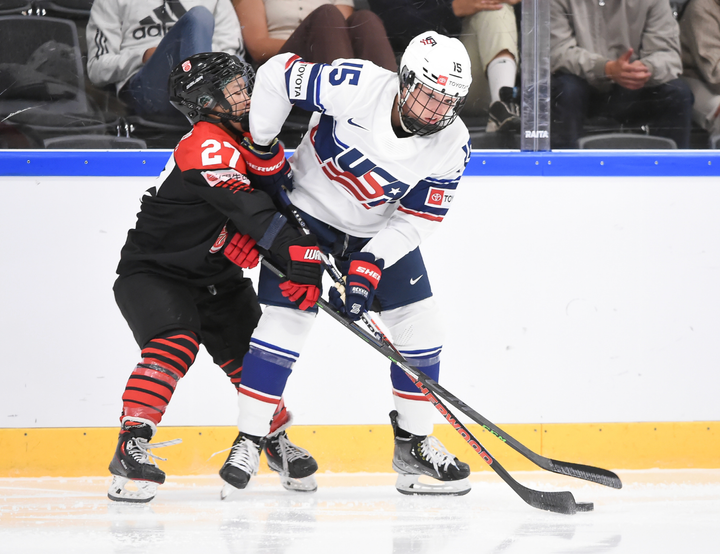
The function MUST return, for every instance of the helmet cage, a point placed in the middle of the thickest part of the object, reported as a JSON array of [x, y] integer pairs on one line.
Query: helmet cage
[[415, 117], [197, 87]]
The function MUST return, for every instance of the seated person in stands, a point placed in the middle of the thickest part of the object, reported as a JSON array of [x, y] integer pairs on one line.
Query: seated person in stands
[[487, 28], [316, 30], [619, 59], [134, 45], [700, 39]]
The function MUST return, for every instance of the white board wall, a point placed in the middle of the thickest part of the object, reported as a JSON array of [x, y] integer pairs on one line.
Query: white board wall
[[565, 300]]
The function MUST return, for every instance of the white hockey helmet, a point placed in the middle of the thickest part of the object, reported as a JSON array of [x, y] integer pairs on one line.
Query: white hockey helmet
[[439, 63]]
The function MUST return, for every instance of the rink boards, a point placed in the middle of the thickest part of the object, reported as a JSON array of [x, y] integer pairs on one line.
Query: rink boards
[[368, 448], [585, 302]]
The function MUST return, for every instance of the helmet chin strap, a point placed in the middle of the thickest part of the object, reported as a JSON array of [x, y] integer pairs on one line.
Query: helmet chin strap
[[402, 123]]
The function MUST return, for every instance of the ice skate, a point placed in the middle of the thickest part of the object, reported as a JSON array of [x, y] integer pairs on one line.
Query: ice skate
[[135, 475], [294, 464], [241, 464], [417, 456]]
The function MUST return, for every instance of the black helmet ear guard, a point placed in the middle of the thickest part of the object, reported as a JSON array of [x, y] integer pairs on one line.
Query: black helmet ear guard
[[197, 86]]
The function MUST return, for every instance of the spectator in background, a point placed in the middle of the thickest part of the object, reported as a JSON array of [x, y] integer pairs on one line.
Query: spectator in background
[[488, 30], [700, 39], [621, 59], [316, 30], [134, 45]]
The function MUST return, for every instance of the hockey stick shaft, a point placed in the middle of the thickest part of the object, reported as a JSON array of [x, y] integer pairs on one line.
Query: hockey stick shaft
[[385, 346], [423, 382], [579, 471], [561, 502], [327, 262]]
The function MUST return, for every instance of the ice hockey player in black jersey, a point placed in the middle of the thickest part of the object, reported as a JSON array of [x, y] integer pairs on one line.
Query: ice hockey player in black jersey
[[181, 282]]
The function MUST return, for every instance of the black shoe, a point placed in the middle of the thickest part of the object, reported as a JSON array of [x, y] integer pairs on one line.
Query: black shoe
[[504, 114]]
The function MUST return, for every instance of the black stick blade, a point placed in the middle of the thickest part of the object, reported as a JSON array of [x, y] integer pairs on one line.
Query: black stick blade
[[588, 473], [559, 502]]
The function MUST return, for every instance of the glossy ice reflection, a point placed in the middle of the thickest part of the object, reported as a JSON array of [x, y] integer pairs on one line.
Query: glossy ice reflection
[[657, 511]]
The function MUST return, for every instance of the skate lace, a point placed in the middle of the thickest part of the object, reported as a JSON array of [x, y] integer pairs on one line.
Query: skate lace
[[140, 449], [289, 452], [245, 456], [436, 453]]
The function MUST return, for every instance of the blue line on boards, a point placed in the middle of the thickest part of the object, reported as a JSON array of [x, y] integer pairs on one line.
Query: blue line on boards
[[569, 163]]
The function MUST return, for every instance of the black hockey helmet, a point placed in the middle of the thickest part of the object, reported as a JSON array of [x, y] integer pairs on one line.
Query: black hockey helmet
[[197, 86]]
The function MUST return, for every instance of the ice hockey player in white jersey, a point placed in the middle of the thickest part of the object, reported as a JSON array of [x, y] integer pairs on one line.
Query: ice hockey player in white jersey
[[375, 175]]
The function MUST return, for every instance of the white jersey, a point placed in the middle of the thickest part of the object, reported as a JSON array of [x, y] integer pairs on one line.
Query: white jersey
[[120, 31], [351, 171]]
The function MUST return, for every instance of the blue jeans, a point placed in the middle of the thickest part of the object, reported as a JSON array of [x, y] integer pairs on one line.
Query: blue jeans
[[146, 93], [666, 109]]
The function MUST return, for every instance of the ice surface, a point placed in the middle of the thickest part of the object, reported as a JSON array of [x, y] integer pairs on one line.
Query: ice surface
[[656, 511]]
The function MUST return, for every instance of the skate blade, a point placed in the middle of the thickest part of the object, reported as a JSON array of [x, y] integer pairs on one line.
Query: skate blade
[[411, 484], [123, 489], [304, 484], [227, 491]]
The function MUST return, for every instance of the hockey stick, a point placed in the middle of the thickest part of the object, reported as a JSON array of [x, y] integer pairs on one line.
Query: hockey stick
[[427, 385], [380, 342], [560, 502]]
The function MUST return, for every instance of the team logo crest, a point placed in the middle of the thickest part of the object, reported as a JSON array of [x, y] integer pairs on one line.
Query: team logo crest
[[214, 178], [429, 41], [219, 241], [186, 66]]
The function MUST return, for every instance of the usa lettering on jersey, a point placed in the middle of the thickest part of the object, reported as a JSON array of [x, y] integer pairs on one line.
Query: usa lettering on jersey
[[347, 166]]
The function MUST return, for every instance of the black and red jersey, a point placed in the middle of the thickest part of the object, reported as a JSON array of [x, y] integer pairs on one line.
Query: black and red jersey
[[203, 195]]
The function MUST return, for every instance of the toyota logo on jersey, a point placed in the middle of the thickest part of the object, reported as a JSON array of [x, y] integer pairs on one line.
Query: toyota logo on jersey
[[438, 197]]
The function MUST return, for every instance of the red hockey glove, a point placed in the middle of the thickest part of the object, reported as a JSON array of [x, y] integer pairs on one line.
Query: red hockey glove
[[361, 281], [240, 251], [304, 273], [267, 167]]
